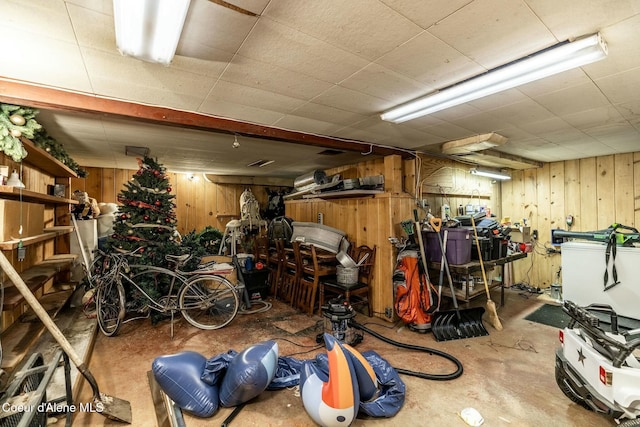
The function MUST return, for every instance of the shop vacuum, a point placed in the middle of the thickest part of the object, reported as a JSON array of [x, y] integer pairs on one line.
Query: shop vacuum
[[339, 321]]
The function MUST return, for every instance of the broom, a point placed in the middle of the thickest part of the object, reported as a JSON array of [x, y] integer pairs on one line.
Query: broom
[[491, 306]]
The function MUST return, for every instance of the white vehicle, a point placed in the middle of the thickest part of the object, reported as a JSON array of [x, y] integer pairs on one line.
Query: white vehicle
[[600, 369]]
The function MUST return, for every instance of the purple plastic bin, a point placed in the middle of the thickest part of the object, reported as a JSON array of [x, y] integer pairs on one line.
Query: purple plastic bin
[[458, 245]]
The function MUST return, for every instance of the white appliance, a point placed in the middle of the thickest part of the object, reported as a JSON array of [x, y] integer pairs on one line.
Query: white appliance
[[583, 270], [88, 231]]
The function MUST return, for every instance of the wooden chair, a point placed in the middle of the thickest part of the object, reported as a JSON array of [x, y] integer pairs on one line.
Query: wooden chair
[[289, 276], [362, 287], [261, 249], [312, 271], [276, 263]]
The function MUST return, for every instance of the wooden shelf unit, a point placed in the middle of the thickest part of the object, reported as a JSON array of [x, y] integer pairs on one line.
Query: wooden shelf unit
[[473, 267], [48, 261]]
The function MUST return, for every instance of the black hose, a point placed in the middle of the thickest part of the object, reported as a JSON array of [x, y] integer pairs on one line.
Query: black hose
[[435, 377]]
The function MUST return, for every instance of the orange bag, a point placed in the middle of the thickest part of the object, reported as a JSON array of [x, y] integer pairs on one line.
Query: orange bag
[[415, 297]]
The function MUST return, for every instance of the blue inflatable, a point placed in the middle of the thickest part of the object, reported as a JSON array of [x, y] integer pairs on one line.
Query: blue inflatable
[[249, 374], [179, 377], [331, 399]]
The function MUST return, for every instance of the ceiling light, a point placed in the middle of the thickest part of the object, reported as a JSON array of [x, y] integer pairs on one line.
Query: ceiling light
[[561, 57], [149, 29], [490, 174]]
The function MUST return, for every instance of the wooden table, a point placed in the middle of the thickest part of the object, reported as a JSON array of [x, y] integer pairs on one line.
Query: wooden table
[[467, 270]]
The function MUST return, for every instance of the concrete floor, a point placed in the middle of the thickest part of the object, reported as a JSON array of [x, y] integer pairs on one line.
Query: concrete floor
[[508, 375]]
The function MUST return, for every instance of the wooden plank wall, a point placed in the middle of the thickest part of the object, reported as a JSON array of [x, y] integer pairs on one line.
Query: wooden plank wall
[[198, 203], [367, 220], [448, 182], [597, 191]]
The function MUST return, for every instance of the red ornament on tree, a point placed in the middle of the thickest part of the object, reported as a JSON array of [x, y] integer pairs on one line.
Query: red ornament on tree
[[158, 203], [168, 189], [146, 217], [123, 216], [156, 173]]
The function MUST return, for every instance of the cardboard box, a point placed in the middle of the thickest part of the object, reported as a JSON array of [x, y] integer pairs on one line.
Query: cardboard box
[[233, 276], [13, 214], [521, 235]]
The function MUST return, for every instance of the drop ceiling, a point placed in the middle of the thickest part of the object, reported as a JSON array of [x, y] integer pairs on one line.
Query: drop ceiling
[[324, 70]]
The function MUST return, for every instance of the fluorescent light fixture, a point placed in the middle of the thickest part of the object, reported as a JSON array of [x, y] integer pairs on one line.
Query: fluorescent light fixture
[[149, 29], [561, 57], [490, 174]]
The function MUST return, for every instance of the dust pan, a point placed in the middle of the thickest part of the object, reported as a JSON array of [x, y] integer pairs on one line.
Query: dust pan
[[109, 406], [454, 324]]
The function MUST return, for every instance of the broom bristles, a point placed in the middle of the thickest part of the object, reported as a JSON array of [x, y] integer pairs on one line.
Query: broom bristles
[[493, 315]]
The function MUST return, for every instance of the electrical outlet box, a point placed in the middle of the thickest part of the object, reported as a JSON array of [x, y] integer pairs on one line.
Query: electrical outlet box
[[534, 234], [388, 311]]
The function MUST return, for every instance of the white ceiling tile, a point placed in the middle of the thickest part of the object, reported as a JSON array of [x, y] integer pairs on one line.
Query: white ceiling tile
[[574, 99], [93, 29], [230, 109], [128, 78], [430, 61], [481, 122], [587, 17], [248, 72], [621, 88], [351, 100], [426, 13], [623, 54], [366, 28], [615, 134], [300, 123], [494, 32], [630, 111], [555, 83], [273, 43], [248, 96], [520, 113], [64, 63], [312, 110], [230, 29], [585, 119], [449, 131], [39, 19], [383, 83], [398, 136]]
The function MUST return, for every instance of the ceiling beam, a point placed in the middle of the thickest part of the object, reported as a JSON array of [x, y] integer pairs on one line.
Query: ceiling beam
[[28, 95]]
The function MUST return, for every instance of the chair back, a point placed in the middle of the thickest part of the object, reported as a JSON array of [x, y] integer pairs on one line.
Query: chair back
[[261, 249]]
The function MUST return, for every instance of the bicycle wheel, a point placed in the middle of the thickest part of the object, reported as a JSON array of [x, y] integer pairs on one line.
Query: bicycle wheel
[[110, 307], [208, 302]]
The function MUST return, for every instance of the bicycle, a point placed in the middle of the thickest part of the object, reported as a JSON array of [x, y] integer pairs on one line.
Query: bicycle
[[205, 299]]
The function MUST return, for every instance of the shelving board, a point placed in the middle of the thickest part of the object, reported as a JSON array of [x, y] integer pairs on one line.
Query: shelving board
[[50, 233], [41, 159], [16, 193]]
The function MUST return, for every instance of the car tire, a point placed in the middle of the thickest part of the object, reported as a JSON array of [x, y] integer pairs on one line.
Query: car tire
[[561, 380]]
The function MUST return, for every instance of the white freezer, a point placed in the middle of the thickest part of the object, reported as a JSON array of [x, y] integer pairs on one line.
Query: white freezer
[[583, 268]]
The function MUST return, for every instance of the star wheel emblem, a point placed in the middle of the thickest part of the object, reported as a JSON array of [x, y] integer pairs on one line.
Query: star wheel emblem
[[581, 356]]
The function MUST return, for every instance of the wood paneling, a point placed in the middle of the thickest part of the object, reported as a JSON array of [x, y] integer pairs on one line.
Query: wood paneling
[[597, 191]]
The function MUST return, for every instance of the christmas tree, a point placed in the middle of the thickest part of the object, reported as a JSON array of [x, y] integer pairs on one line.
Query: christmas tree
[[146, 221]]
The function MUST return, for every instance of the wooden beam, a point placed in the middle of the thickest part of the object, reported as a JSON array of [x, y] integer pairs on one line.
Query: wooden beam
[[473, 144], [248, 180], [12, 92], [493, 158]]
